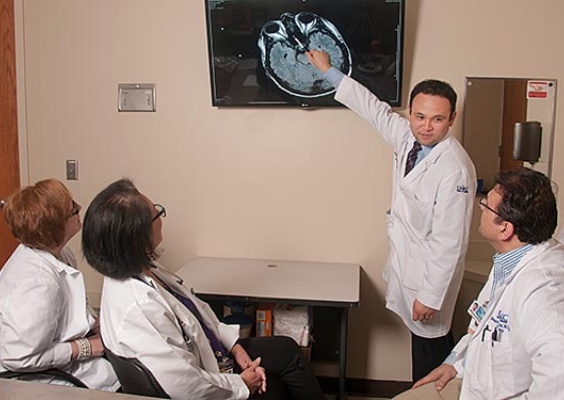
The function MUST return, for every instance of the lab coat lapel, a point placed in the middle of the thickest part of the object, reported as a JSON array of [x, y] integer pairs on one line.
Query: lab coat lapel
[[79, 322], [424, 164], [501, 288], [191, 328], [175, 283]]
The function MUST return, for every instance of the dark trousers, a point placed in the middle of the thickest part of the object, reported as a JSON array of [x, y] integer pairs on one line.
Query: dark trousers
[[288, 373], [427, 354]]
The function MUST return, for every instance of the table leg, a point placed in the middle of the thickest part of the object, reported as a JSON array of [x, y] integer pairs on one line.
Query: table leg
[[343, 354]]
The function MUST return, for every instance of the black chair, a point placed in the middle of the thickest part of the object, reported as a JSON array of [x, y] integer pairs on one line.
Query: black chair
[[134, 377], [47, 373]]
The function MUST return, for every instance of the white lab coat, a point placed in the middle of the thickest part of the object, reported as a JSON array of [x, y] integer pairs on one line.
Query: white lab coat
[[141, 319], [527, 359], [42, 308], [429, 219]]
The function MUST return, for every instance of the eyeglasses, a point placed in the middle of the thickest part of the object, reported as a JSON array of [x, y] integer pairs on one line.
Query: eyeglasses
[[483, 204], [75, 209], [161, 212]]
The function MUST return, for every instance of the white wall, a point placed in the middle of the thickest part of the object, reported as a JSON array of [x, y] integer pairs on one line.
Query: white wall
[[286, 184]]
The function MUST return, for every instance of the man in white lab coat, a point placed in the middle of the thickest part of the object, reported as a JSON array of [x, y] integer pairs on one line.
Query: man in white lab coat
[[514, 348], [433, 195]]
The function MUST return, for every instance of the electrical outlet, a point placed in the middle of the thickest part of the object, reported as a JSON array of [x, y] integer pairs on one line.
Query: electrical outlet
[[72, 170]]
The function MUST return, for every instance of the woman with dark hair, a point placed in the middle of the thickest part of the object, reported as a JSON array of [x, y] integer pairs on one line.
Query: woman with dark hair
[[44, 318], [148, 314]]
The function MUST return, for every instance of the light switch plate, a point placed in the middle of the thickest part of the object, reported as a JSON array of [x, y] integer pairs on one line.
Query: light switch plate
[[136, 97], [72, 170]]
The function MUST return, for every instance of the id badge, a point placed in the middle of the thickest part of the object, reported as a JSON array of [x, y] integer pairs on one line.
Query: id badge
[[476, 311]]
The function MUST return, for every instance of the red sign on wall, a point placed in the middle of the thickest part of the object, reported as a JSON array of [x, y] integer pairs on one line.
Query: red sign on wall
[[537, 89]]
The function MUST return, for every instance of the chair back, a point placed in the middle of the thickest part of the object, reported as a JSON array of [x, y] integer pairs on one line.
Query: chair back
[[134, 377]]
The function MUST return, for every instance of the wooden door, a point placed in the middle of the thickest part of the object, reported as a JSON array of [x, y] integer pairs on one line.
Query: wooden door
[[514, 110], [9, 156]]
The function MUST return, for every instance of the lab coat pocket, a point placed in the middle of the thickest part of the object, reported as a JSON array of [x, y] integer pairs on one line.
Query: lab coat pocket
[[419, 215], [413, 272], [494, 375], [502, 370]]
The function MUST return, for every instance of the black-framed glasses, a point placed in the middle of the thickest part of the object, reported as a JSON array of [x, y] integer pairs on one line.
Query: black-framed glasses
[[161, 212], [75, 209], [483, 203]]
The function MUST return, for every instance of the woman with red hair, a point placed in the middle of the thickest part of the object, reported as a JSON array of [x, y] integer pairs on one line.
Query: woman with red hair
[[45, 321]]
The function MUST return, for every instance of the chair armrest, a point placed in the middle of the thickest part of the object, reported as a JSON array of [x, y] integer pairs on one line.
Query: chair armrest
[[51, 372]]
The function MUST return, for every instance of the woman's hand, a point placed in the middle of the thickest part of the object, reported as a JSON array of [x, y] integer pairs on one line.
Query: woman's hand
[[255, 377], [96, 345], [241, 356], [96, 328], [244, 361]]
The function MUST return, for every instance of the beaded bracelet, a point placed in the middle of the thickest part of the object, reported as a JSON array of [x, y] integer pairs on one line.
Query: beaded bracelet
[[84, 349]]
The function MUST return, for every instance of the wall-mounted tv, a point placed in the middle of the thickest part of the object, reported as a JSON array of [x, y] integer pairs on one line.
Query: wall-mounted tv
[[257, 49]]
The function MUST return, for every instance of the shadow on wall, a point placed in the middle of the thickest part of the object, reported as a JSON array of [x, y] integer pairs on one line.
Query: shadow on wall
[[370, 319]]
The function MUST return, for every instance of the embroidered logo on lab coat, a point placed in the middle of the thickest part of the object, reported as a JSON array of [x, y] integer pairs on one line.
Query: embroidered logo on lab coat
[[501, 321], [462, 189]]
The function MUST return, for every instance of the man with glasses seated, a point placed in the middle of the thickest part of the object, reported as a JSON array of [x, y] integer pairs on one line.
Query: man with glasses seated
[[514, 347]]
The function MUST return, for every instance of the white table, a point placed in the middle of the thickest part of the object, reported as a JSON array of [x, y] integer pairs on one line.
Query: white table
[[20, 390], [279, 281]]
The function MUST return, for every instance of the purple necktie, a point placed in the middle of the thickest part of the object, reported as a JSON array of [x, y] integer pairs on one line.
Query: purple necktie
[[412, 157], [216, 345]]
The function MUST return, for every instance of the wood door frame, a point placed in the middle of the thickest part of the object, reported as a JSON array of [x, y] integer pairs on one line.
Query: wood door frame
[[9, 150]]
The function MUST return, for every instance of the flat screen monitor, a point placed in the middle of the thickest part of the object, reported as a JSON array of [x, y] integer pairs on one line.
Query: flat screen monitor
[[257, 49]]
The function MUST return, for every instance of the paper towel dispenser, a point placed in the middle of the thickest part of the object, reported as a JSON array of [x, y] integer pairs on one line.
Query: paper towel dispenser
[[527, 141]]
